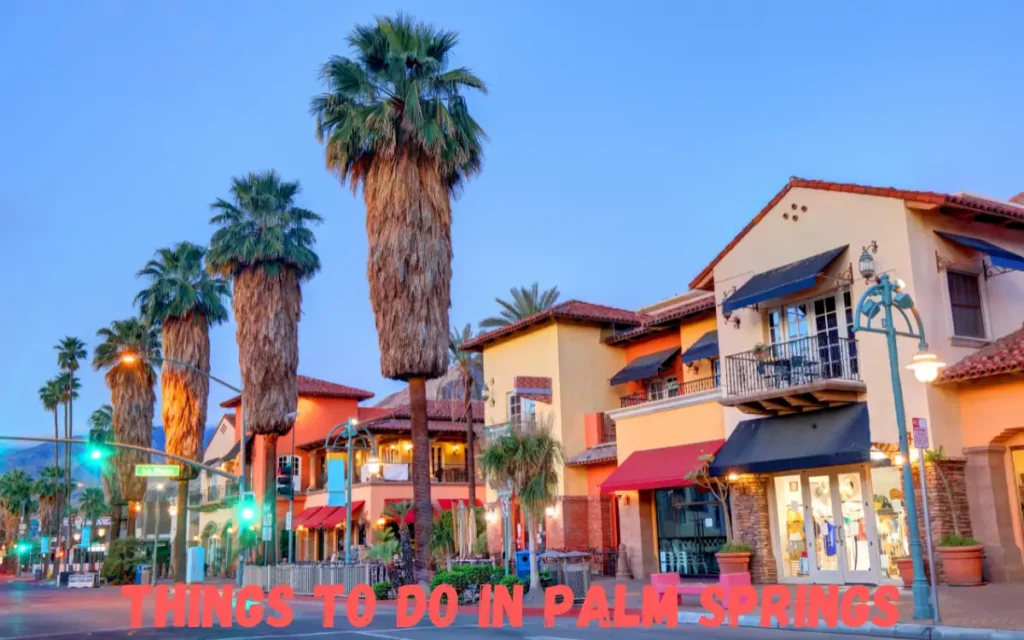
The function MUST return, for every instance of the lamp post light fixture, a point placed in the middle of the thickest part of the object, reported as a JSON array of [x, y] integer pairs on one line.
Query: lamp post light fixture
[[884, 296], [356, 436]]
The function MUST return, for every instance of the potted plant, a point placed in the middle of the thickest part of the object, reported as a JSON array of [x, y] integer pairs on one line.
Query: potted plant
[[906, 569], [733, 556], [961, 555], [760, 351]]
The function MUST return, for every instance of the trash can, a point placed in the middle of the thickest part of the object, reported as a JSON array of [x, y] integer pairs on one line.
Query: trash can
[[523, 564], [146, 577], [37, 573]]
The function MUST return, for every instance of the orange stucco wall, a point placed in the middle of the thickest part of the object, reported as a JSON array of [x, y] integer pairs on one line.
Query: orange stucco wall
[[597, 474], [989, 408], [659, 342]]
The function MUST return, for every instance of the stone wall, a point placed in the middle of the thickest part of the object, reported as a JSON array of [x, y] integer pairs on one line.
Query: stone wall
[[751, 524], [580, 523], [992, 511]]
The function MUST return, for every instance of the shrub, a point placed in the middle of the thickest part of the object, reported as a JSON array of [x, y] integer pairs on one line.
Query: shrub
[[497, 575], [546, 579], [456, 579], [122, 558], [736, 547], [480, 544], [953, 540], [476, 574], [382, 590], [511, 581]]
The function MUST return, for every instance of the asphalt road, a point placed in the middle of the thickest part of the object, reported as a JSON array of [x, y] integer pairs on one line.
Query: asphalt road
[[28, 611]]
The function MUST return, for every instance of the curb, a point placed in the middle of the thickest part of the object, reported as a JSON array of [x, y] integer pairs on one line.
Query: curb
[[912, 631]]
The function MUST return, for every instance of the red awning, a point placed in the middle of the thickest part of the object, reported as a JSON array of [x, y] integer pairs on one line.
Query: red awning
[[318, 517], [303, 517], [337, 516], [658, 468]]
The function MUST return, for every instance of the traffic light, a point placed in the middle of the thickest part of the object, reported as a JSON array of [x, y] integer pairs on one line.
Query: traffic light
[[247, 508], [97, 447], [22, 548], [284, 479]]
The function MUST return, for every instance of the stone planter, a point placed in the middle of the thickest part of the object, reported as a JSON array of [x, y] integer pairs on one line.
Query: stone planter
[[906, 567], [734, 562], [963, 565]]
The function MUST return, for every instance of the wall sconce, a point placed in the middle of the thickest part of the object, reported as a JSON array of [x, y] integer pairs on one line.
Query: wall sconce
[[694, 366], [867, 262], [733, 477], [491, 516], [624, 499], [381, 522], [550, 511], [408, 446]]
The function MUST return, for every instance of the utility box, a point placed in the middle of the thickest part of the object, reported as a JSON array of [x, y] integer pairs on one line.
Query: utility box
[[195, 569]]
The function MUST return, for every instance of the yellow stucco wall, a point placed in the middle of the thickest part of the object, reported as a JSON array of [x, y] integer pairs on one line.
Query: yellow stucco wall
[[579, 366], [585, 366], [988, 408], [685, 425]]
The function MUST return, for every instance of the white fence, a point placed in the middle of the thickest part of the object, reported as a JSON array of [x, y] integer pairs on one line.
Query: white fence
[[304, 577]]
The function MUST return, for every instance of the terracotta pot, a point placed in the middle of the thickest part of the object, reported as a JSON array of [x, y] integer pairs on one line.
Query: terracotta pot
[[963, 565], [738, 562], [906, 567]]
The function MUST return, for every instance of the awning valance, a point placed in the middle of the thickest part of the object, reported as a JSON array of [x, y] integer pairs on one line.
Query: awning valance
[[781, 281], [824, 438], [658, 468], [705, 347], [645, 366], [337, 515], [1000, 257], [304, 517]]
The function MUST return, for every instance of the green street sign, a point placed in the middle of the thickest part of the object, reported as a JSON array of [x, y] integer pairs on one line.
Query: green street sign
[[156, 470]]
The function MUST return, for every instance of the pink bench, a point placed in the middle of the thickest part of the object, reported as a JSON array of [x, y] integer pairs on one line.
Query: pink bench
[[662, 581]]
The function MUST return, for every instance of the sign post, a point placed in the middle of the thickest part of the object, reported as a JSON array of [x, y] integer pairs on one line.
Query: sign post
[[919, 432]]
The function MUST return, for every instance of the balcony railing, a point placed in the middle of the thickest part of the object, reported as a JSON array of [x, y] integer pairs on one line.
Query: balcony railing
[[796, 363], [402, 472], [688, 387], [213, 494]]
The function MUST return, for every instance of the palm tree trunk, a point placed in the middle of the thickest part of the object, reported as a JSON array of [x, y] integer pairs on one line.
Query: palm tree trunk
[[271, 549], [467, 392], [424, 518], [531, 538], [115, 522], [71, 432], [55, 527], [130, 524], [180, 557]]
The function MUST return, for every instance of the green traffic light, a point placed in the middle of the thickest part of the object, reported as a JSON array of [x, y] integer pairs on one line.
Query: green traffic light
[[248, 514], [96, 454]]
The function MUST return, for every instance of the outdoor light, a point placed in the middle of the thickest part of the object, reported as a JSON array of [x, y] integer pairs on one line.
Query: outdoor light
[[77, 537], [408, 446], [381, 522], [903, 301], [867, 265], [80, 484], [733, 477], [373, 465], [196, 538], [95, 454], [491, 516], [899, 460], [878, 455], [455, 449], [101, 532], [160, 487], [550, 511], [128, 358], [871, 308], [926, 366], [899, 285], [173, 510], [138, 507]]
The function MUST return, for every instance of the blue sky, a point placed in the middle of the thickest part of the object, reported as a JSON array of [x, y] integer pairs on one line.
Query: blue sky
[[629, 142]]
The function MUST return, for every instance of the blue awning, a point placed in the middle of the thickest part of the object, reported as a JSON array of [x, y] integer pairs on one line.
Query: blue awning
[[645, 367], [824, 438], [781, 281], [1000, 257], [705, 347]]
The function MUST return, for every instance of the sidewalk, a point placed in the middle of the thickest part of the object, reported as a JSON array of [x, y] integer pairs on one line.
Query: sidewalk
[[989, 607]]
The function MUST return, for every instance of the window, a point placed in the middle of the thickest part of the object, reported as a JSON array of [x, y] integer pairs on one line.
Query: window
[[851, 345], [521, 409], [965, 303], [283, 461], [661, 388]]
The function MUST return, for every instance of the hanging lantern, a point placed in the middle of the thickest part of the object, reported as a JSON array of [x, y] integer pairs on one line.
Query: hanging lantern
[[867, 265]]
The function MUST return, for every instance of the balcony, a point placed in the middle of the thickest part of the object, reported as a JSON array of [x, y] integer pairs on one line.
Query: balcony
[[789, 377], [688, 387], [216, 495]]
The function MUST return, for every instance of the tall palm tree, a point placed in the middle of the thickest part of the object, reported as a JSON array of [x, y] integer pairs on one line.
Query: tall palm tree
[[525, 302], [50, 489], [394, 121], [68, 385], [184, 301], [51, 395], [527, 458], [93, 506], [70, 352], [265, 245], [470, 367], [131, 382], [101, 429]]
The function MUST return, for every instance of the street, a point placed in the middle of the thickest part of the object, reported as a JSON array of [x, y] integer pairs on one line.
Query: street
[[31, 611]]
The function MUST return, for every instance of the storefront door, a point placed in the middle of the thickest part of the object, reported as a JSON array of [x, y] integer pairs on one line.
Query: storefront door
[[840, 523]]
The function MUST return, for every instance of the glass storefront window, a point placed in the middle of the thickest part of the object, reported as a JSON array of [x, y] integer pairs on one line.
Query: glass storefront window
[[789, 505], [690, 531], [892, 520]]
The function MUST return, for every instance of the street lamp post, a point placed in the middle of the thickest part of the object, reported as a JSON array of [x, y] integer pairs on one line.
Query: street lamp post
[[351, 434], [886, 295], [156, 531]]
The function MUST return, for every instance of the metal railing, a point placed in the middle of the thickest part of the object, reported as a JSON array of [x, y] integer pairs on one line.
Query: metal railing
[[688, 387], [792, 364], [303, 578], [214, 493]]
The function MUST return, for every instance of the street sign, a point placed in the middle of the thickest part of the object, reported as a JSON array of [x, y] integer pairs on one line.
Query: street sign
[[268, 534], [86, 537], [288, 520], [504, 507], [44, 545], [920, 433], [156, 470]]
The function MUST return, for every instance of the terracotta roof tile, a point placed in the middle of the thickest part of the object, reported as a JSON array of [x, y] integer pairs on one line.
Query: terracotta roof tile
[[665, 319], [568, 310], [962, 200], [599, 454], [316, 388], [1004, 356]]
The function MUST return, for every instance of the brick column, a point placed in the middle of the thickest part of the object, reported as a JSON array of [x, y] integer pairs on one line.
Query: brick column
[[940, 512], [636, 527], [991, 510], [751, 524], [568, 530], [599, 521]]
